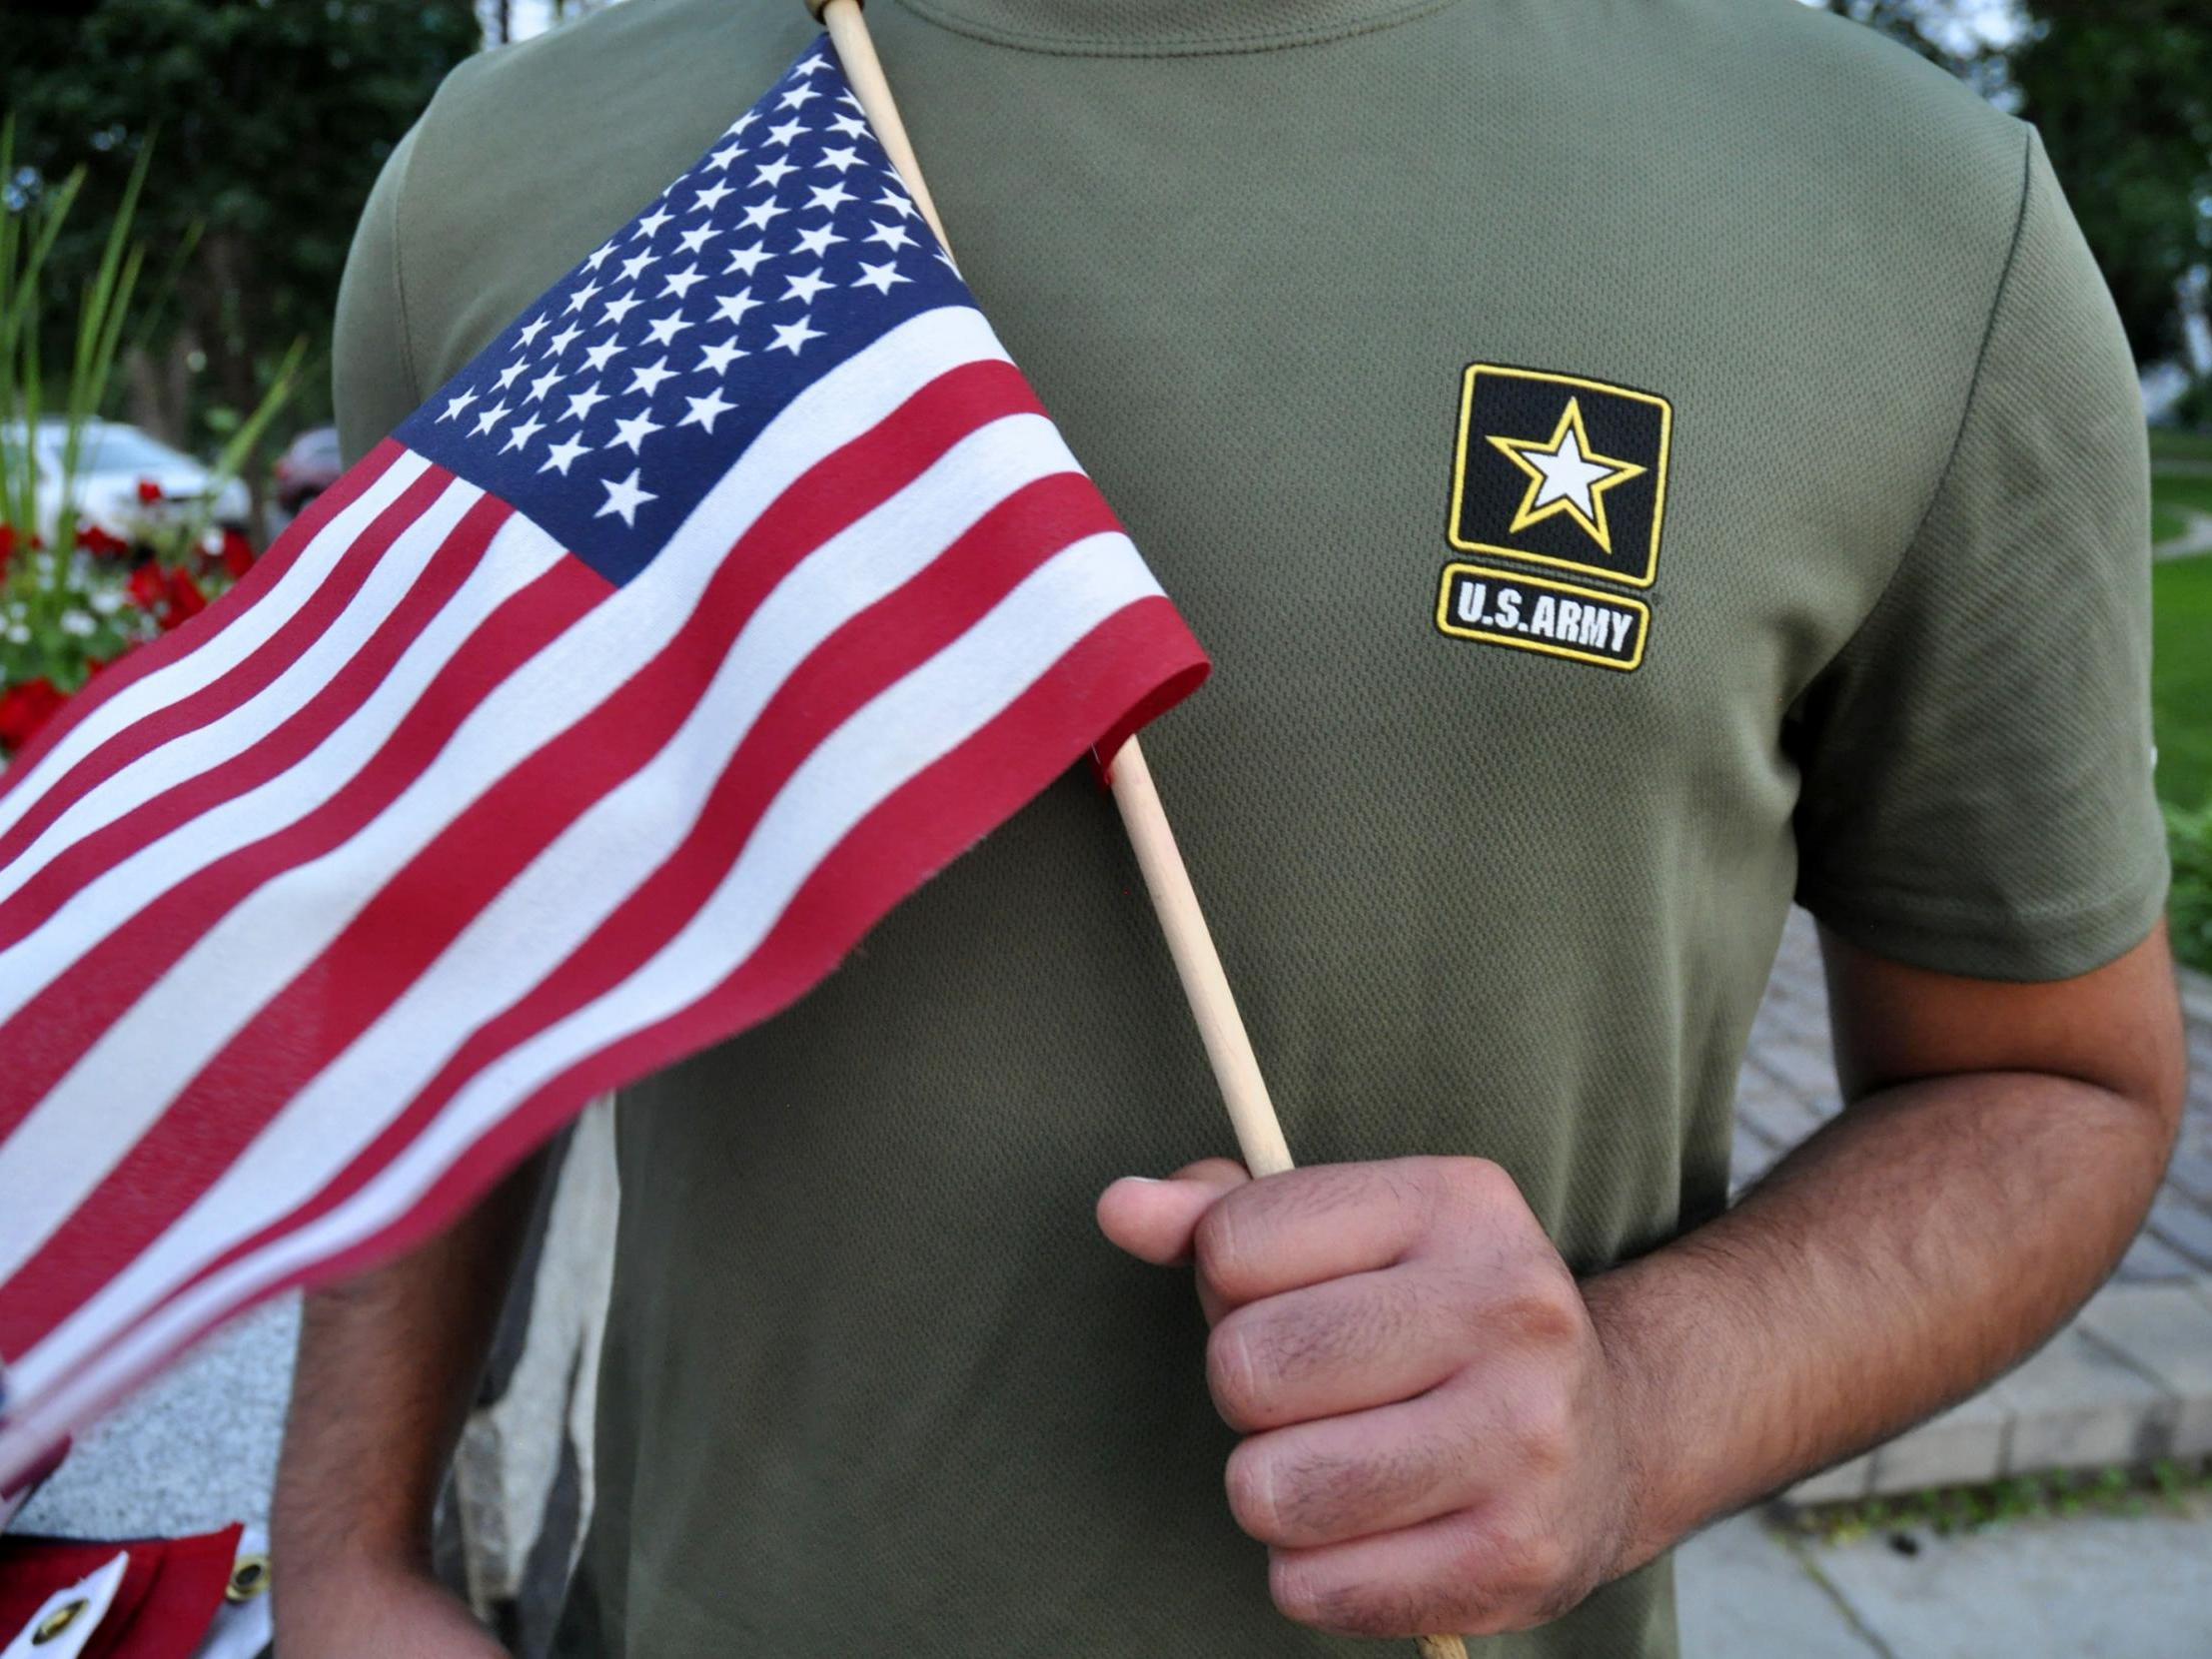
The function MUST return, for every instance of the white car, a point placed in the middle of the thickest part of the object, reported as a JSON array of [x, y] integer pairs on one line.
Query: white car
[[112, 461]]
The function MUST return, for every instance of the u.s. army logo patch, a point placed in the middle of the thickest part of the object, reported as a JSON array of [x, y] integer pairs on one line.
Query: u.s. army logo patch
[[1560, 470]]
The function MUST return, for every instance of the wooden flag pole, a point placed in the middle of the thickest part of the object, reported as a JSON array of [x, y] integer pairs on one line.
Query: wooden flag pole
[[1228, 1046]]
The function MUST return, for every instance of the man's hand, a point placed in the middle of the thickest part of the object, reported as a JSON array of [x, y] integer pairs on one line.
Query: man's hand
[[1434, 1435], [374, 1612]]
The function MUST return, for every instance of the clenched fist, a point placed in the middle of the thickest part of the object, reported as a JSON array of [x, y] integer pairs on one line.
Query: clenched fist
[[1433, 1437]]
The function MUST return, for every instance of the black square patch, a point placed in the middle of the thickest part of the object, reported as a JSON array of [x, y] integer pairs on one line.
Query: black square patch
[[1562, 470]]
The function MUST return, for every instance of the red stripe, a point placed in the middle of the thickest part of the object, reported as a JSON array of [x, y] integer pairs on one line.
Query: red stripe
[[416, 915], [50, 1033], [267, 572], [1134, 658], [249, 677], [331, 705]]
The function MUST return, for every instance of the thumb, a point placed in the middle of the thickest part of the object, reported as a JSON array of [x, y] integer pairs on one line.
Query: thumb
[[1154, 1219]]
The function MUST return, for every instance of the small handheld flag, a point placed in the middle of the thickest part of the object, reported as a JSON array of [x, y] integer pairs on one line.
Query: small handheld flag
[[736, 587]]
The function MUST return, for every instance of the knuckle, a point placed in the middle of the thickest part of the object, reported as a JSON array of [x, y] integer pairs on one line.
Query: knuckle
[[1370, 1607], [1545, 1431], [1232, 1376]]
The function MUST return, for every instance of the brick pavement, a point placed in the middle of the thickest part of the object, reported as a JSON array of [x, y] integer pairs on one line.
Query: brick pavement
[[2129, 1380]]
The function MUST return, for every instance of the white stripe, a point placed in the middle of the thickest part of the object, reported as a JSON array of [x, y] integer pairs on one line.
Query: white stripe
[[877, 751], [111, 1096], [517, 556], [208, 662], [586, 873], [208, 747]]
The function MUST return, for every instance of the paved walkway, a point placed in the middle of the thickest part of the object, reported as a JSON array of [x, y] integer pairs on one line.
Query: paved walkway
[[2088, 1589]]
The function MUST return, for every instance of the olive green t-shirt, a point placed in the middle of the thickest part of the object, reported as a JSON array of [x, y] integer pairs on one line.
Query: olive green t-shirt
[[1632, 461]]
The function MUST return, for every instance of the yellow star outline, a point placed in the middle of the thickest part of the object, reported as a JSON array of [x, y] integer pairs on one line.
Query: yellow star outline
[[1517, 451]]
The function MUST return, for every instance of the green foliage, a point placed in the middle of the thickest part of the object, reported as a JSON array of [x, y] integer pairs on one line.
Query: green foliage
[[2175, 1485], [2189, 905], [2121, 91], [274, 118], [2181, 679]]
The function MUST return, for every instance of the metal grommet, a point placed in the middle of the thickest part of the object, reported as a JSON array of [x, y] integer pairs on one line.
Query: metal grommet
[[59, 1620], [250, 1579]]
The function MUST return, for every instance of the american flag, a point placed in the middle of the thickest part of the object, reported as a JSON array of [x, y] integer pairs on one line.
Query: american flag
[[736, 587]]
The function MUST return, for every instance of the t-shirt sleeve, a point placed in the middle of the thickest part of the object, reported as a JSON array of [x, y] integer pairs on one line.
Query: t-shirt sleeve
[[1977, 762], [374, 379]]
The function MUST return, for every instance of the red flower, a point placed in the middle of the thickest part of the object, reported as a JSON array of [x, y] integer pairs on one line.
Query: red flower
[[148, 491], [185, 598], [238, 554], [24, 708], [101, 544], [147, 588]]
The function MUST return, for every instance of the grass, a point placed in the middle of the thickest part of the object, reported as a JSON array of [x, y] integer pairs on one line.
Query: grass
[[2172, 1485], [2181, 679], [2174, 496]]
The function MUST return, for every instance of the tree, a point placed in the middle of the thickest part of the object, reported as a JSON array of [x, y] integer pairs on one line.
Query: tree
[[269, 121], [2121, 91]]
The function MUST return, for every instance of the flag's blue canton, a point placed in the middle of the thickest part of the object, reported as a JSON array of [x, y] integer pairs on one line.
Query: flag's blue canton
[[608, 408]]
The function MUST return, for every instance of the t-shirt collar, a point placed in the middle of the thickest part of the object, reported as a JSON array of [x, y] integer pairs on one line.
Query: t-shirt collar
[[1144, 28]]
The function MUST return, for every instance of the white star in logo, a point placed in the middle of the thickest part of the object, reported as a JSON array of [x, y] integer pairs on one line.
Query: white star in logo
[[807, 66], [815, 240], [648, 379], [581, 404], [740, 124], [747, 260], [650, 226], [731, 308], [773, 173], [712, 197], [634, 264], [511, 374], [522, 433], [681, 281], [758, 215], [634, 430], [789, 336], [805, 286], [582, 296], [891, 236], [729, 153], [458, 403], [623, 497], [1566, 476], [698, 237], [562, 455], [897, 201], [718, 358], [831, 197], [785, 134], [706, 410], [662, 331], [596, 356], [562, 340], [490, 417], [616, 309], [795, 97], [542, 385], [879, 276], [841, 156], [528, 336], [598, 256], [849, 126]]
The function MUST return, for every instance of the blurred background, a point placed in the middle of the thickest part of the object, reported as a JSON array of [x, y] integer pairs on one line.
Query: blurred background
[[179, 183]]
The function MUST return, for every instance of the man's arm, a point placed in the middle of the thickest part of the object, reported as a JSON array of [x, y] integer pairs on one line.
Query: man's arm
[[388, 1365], [1445, 1432]]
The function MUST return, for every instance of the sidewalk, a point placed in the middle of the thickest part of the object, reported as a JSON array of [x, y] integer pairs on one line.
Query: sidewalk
[[2130, 1380], [2086, 1588]]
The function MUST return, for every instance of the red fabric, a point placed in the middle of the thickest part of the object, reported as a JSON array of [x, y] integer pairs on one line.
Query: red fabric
[[163, 1609]]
